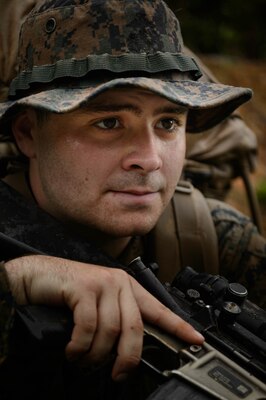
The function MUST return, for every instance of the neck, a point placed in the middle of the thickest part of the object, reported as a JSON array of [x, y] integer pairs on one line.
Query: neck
[[112, 246]]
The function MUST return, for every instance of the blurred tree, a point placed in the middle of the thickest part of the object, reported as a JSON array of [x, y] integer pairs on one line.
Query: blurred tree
[[223, 26]]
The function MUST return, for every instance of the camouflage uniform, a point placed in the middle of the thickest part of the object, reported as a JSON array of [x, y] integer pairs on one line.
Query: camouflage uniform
[[242, 251]]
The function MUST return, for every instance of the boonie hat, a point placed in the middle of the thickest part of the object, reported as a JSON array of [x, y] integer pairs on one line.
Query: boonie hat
[[73, 50]]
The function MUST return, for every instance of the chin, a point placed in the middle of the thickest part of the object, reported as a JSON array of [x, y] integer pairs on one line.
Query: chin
[[136, 225], [132, 229]]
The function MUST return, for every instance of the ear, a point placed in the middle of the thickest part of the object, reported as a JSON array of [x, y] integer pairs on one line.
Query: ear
[[24, 130]]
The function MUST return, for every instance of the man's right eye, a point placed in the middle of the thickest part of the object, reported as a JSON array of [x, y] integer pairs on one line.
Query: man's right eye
[[108, 123]]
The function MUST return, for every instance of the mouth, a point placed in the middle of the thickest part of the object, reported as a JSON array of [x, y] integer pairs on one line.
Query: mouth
[[136, 197], [136, 192]]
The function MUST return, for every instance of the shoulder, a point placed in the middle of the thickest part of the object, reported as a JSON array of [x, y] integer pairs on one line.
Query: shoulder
[[235, 231], [226, 216], [242, 250]]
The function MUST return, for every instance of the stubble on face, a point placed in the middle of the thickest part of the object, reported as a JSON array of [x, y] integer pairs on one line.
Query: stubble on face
[[80, 181]]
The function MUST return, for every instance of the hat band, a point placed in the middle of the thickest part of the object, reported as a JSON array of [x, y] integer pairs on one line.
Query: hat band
[[77, 68]]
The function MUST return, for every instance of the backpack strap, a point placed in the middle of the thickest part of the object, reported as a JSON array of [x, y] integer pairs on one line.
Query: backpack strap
[[185, 235]]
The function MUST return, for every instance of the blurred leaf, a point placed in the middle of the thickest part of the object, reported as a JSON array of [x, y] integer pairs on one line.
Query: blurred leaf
[[223, 26], [261, 192]]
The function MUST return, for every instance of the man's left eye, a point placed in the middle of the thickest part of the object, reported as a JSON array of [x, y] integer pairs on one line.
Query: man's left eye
[[168, 124], [108, 123]]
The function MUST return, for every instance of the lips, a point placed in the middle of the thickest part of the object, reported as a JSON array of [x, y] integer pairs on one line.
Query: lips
[[135, 197], [136, 192]]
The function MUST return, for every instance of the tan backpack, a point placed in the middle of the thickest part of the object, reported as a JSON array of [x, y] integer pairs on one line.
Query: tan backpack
[[185, 235], [216, 157]]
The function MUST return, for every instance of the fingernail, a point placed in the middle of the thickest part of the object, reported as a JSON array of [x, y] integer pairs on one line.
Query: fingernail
[[199, 335]]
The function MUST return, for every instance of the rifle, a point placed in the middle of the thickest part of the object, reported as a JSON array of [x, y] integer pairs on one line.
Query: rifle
[[231, 364]]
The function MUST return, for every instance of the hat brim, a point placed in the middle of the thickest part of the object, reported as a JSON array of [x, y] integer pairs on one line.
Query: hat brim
[[208, 103]]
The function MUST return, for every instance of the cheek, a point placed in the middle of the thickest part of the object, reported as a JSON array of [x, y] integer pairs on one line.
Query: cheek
[[78, 163], [174, 159]]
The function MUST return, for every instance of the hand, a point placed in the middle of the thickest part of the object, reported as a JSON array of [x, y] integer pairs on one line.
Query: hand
[[108, 308]]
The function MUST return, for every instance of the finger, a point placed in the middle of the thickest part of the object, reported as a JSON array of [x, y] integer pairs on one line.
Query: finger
[[108, 328], [130, 343], [85, 325], [156, 313], [173, 324]]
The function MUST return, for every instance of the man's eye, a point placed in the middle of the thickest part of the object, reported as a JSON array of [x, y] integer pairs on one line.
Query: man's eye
[[169, 124], [108, 123]]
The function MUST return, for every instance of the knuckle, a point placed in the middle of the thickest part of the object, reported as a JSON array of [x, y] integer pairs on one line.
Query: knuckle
[[138, 326], [131, 360], [89, 327], [160, 312], [113, 276], [113, 331], [121, 274]]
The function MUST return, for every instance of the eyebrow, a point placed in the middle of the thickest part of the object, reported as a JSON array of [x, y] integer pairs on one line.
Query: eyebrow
[[98, 108], [171, 110], [113, 108]]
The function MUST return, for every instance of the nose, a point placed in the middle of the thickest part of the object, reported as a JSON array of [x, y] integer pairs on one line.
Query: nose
[[143, 152]]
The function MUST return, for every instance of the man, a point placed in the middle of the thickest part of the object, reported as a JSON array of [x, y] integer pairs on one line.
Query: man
[[99, 111]]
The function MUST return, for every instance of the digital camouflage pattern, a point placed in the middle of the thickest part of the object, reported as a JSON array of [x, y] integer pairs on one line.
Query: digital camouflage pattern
[[190, 93], [70, 51], [242, 250], [114, 27]]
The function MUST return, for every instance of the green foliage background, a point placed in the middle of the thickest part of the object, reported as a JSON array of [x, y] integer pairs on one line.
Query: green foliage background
[[235, 27]]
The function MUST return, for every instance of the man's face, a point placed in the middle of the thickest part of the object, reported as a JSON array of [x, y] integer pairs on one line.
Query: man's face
[[111, 166]]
